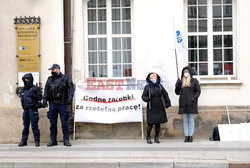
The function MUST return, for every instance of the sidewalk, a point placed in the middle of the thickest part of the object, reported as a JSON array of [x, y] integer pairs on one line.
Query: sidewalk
[[128, 154]]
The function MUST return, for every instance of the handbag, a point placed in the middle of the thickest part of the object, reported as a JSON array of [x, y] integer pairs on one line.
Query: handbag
[[163, 101]]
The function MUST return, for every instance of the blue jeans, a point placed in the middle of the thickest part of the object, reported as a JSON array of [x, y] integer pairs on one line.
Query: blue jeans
[[30, 116], [54, 110], [188, 124]]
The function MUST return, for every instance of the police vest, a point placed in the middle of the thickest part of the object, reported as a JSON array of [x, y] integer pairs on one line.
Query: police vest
[[57, 89]]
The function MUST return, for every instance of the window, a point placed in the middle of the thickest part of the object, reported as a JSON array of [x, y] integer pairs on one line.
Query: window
[[109, 38], [210, 37]]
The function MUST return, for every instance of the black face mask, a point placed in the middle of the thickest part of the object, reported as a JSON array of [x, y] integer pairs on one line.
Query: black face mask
[[53, 74], [28, 84]]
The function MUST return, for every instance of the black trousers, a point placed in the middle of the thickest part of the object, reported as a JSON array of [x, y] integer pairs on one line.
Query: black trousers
[[157, 129], [54, 110], [30, 116]]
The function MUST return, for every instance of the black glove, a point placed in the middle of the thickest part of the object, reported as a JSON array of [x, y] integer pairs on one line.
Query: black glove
[[69, 101], [194, 100], [39, 104], [178, 83], [167, 106], [45, 104]]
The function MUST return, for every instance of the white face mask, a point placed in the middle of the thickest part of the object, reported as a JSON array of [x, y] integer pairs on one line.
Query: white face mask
[[186, 74], [153, 80]]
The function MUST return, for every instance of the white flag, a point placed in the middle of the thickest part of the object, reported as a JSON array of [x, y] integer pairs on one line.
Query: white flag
[[180, 47], [178, 28]]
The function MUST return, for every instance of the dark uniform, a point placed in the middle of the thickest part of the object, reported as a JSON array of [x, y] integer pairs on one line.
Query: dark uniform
[[59, 92], [30, 95]]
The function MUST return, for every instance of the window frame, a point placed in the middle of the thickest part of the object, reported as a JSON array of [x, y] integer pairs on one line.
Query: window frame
[[209, 35], [109, 37]]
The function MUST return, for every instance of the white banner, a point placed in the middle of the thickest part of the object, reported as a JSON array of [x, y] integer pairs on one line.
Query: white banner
[[118, 105]]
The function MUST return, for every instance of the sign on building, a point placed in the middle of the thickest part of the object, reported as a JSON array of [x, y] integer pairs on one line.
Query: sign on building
[[28, 48]]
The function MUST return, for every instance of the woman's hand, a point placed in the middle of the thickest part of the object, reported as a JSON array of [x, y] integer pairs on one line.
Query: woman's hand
[[178, 83]]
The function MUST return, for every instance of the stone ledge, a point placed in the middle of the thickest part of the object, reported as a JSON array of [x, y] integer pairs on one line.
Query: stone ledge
[[215, 109]]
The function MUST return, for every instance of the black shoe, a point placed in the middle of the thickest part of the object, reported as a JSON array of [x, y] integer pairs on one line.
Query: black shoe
[[67, 143], [21, 144], [186, 139], [149, 140], [52, 143], [190, 139], [157, 139], [37, 144]]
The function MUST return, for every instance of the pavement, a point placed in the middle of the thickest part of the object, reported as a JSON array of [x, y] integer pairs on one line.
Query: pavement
[[133, 153]]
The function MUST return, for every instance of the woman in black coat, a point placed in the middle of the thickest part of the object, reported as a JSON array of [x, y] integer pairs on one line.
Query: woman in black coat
[[189, 90], [157, 100]]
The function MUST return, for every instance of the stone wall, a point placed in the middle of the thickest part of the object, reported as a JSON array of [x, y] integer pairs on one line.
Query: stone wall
[[206, 120], [12, 124]]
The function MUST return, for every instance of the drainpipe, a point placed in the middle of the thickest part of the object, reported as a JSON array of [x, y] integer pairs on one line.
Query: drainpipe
[[67, 17], [67, 6]]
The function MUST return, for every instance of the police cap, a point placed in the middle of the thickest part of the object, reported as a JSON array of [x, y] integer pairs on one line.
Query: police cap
[[54, 66]]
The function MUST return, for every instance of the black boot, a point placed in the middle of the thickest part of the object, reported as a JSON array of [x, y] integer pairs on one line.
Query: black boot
[[52, 143], [149, 140], [157, 139], [186, 139], [190, 139], [21, 144], [157, 131], [37, 144], [149, 128], [67, 143]]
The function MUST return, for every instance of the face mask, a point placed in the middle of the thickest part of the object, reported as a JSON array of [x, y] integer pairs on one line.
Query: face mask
[[53, 73], [28, 84], [153, 80], [186, 74]]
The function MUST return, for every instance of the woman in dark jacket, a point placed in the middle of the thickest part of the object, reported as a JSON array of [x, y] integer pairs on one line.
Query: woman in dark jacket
[[156, 97], [189, 90]]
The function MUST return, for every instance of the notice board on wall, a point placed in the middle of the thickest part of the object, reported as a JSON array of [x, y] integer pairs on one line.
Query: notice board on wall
[[28, 48]]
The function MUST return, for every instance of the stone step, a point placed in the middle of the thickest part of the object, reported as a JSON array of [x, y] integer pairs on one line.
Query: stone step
[[128, 154], [182, 164]]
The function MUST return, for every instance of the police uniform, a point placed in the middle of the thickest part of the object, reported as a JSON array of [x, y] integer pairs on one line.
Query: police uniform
[[59, 92], [30, 95]]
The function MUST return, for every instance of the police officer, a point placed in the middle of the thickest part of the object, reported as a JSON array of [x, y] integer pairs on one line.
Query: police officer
[[59, 92], [30, 95]]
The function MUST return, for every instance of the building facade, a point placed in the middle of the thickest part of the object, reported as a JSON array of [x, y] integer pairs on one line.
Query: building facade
[[125, 39]]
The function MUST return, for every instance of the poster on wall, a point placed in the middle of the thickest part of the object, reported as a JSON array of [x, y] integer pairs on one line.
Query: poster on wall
[[107, 106]]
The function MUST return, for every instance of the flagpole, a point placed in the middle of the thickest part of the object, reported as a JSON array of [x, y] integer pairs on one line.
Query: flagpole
[[176, 62]]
